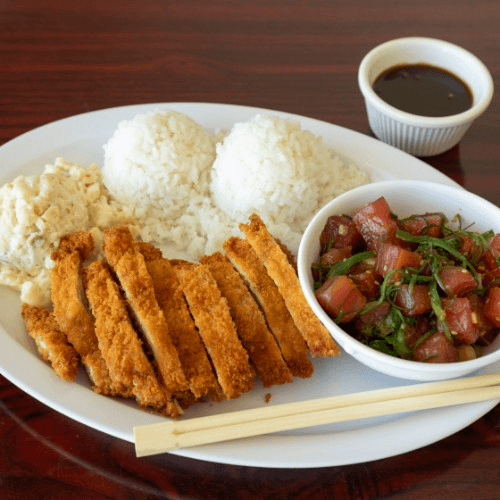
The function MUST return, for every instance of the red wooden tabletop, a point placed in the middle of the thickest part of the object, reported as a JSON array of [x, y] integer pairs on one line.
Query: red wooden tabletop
[[60, 58]]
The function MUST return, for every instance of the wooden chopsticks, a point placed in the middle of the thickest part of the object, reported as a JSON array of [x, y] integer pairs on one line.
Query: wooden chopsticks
[[162, 437]]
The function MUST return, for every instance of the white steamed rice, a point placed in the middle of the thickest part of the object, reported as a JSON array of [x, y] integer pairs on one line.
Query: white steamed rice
[[274, 168], [191, 189], [157, 163]]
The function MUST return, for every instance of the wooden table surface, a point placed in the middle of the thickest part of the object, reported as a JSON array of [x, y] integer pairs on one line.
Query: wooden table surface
[[60, 58]]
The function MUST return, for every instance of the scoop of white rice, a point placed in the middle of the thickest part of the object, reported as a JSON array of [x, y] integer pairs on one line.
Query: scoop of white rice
[[190, 190], [157, 163], [271, 166]]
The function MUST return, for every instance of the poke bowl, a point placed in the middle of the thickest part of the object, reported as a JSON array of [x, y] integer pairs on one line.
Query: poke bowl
[[382, 323]]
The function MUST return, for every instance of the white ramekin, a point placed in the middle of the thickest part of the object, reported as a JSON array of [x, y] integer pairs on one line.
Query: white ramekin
[[420, 135]]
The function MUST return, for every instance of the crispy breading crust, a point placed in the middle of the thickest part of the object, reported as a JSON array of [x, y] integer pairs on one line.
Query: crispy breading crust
[[281, 324], [75, 321], [213, 318], [120, 344], [289, 255], [80, 241], [149, 251], [52, 344], [318, 338], [250, 323], [192, 353], [122, 253]]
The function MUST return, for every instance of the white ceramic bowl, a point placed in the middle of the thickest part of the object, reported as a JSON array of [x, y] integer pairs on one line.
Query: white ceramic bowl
[[420, 135], [406, 197]]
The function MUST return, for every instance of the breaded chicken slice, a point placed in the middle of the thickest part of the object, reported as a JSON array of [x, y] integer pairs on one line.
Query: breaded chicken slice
[[149, 251], [318, 339], [250, 323], [213, 318], [51, 342], [79, 241], [122, 253], [120, 344], [182, 329], [280, 323], [71, 313]]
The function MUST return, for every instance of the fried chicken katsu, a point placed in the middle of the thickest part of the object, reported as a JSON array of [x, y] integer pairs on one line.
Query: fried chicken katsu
[[120, 345], [279, 320], [51, 342], [250, 322], [319, 341], [123, 255], [213, 318], [168, 332]]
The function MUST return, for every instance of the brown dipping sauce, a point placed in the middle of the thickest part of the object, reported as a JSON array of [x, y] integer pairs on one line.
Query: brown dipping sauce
[[423, 90]]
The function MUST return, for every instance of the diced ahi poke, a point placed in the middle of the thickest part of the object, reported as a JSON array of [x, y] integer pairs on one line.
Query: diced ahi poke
[[421, 288]]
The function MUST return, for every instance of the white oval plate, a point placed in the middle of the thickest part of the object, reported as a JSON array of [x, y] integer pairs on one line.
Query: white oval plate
[[80, 139]]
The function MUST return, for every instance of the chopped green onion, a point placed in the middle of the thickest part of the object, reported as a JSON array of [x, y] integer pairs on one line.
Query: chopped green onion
[[383, 292], [424, 337], [438, 310], [396, 321], [343, 266], [440, 243]]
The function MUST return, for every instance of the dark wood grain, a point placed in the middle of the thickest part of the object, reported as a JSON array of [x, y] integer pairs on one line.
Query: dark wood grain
[[60, 58]]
